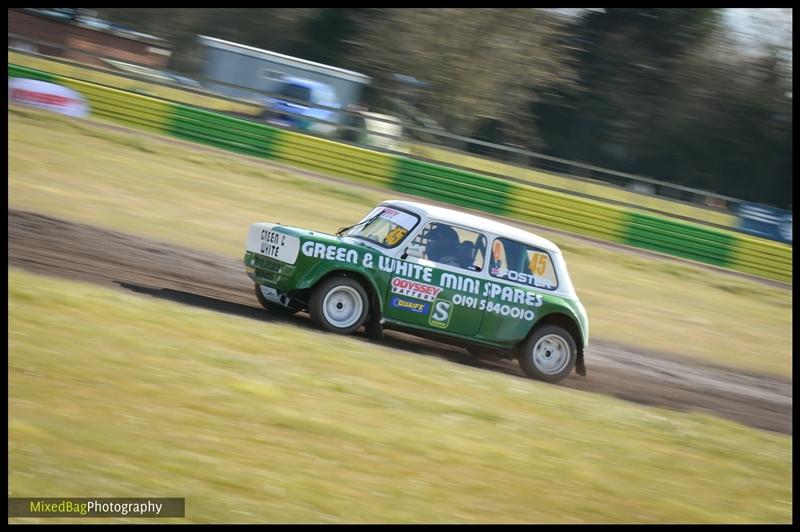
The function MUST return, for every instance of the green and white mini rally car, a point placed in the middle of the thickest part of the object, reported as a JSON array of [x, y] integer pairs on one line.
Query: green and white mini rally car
[[430, 271]]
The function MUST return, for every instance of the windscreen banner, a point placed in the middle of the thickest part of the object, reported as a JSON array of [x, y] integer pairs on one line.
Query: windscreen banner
[[767, 222], [47, 96]]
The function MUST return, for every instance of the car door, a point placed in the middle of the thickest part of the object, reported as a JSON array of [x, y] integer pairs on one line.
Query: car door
[[435, 284]]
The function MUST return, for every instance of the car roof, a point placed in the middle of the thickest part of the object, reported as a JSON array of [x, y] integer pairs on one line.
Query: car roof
[[478, 222], [303, 82]]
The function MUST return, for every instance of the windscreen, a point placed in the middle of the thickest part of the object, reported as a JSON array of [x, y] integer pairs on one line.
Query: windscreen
[[385, 226], [297, 93]]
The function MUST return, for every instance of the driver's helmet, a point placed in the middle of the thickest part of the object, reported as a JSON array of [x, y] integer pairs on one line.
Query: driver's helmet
[[442, 242]]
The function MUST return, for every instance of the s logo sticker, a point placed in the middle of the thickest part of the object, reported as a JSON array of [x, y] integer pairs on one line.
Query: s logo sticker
[[440, 317]]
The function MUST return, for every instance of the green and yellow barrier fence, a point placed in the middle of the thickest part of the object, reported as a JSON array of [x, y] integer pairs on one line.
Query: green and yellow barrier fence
[[129, 109], [761, 257], [578, 186], [438, 182], [677, 238], [568, 213], [334, 158], [452, 186], [222, 131], [16, 71]]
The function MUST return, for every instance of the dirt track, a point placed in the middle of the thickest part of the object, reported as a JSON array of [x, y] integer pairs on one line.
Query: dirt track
[[56, 247]]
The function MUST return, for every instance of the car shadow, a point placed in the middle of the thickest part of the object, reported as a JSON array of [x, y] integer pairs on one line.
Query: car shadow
[[197, 300], [392, 339]]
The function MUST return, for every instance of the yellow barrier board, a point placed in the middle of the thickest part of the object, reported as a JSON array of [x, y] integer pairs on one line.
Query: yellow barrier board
[[566, 212], [339, 159], [149, 113], [762, 257]]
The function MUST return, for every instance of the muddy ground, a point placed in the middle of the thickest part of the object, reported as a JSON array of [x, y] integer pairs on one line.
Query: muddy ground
[[50, 246]]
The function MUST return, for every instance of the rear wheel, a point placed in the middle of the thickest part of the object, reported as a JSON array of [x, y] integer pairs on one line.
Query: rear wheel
[[549, 354], [271, 305], [339, 304]]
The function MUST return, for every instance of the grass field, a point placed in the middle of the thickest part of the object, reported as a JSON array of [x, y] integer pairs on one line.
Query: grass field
[[204, 200], [112, 394]]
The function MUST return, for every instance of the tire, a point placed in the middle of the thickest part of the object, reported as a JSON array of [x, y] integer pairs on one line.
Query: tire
[[549, 354], [339, 304], [272, 306]]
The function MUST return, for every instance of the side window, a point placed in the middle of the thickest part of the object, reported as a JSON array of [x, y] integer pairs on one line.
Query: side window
[[450, 245], [327, 97], [271, 75], [523, 264]]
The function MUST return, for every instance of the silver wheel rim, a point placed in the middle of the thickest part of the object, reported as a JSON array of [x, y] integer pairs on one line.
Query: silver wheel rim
[[342, 306], [551, 354]]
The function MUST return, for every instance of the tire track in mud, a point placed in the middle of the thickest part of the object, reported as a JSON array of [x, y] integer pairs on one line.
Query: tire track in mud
[[52, 246]]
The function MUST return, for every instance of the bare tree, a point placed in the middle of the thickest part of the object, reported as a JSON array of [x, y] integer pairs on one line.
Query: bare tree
[[478, 61]]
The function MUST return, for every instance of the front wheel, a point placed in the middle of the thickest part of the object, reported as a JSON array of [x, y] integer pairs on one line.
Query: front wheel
[[549, 354], [339, 304]]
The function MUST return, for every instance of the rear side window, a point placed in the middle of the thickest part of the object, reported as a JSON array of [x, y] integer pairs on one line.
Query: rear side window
[[522, 264]]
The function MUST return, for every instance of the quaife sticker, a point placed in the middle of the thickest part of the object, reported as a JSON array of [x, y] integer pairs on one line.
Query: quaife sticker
[[409, 305], [407, 287], [440, 315]]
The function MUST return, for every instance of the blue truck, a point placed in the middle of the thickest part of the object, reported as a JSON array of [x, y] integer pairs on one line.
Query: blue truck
[[303, 104]]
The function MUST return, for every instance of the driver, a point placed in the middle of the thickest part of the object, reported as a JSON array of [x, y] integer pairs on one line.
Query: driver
[[443, 245]]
